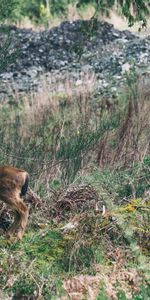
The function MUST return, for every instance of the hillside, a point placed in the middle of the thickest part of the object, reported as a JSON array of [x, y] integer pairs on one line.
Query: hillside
[[75, 113]]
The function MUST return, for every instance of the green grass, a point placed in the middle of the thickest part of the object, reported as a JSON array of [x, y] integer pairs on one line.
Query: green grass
[[38, 259], [47, 257], [58, 143]]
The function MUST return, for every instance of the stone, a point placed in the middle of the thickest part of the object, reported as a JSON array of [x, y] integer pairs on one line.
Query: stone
[[71, 48]]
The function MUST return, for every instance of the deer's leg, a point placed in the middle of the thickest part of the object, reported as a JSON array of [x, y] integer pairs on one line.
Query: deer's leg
[[23, 212], [15, 224], [21, 217], [11, 200]]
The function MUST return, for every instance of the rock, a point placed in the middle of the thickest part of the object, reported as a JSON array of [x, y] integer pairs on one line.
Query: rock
[[73, 48]]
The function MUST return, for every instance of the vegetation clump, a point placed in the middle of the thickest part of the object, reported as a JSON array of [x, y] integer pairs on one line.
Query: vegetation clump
[[89, 229]]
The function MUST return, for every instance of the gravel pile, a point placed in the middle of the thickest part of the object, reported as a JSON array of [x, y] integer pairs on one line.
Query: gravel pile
[[73, 47]]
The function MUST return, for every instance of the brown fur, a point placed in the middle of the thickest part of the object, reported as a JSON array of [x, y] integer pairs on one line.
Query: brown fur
[[14, 184]]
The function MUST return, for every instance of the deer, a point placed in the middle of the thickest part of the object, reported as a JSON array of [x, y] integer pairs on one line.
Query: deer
[[13, 187]]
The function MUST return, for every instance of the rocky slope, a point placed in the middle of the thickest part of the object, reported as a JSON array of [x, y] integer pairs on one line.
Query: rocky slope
[[73, 47]]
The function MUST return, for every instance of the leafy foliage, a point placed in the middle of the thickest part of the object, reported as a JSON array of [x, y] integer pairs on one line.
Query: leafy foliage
[[7, 55], [133, 10], [7, 9]]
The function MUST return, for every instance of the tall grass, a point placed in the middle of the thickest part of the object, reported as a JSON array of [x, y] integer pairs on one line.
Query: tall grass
[[61, 139], [55, 135]]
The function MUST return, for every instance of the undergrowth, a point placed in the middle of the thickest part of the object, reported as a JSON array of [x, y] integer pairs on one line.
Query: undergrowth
[[91, 169], [49, 254]]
